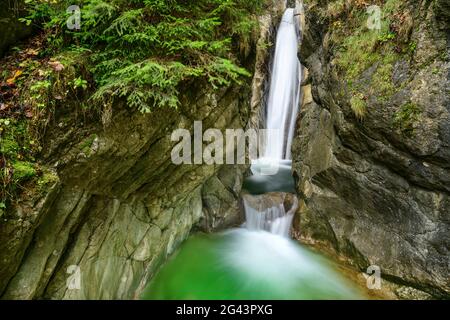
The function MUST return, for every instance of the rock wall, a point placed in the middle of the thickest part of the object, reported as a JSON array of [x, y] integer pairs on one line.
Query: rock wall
[[121, 206], [370, 192]]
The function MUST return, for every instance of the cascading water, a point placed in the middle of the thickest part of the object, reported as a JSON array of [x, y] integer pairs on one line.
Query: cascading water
[[284, 90], [281, 112], [259, 261], [273, 217]]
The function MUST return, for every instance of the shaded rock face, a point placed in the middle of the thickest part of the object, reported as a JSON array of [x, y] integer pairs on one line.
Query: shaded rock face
[[372, 193], [12, 30]]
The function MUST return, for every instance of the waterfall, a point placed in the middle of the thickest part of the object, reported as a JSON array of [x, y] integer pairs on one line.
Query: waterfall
[[282, 105], [284, 90], [275, 217]]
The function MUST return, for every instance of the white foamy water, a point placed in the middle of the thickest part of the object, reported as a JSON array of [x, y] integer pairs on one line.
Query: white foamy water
[[282, 106], [284, 91], [274, 219]]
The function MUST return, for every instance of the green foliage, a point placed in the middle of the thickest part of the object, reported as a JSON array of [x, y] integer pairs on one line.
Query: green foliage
[[357, 53], [86, 145], [335, 8], [2, 208], [79, 83], [40, 91], [362, 47], [412, 46], [382, 84], [17, 150], [385, 37], [406, 117], [47, 179], [143, 50]]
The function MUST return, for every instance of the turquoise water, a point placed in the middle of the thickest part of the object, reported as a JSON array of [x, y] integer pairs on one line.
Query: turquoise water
[[244, 264], [282, 181]]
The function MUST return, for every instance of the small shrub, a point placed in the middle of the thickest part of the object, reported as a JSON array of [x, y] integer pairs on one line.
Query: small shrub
[[359, 106], [79, 83]]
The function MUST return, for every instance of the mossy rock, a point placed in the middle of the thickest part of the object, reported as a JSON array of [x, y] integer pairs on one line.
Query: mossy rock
[[46, 180], [406, 117]]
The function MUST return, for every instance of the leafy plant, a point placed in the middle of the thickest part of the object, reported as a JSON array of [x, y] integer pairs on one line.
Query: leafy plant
[[79, 83], [143, 50]]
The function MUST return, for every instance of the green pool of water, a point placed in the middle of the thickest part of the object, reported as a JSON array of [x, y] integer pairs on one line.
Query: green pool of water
[[244, 264]]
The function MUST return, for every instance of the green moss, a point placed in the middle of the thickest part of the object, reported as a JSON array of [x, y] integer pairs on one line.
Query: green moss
[[406, 117], [9, 146], [335, 8], [16, 142], [361, 47], [358, 53], [382, 84], [23, 171], [2, 208], [47, 179], [86, 145], [17, 151], [412, 47]]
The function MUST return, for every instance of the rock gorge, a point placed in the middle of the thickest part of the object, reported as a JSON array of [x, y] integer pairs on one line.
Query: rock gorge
[[373, 189]]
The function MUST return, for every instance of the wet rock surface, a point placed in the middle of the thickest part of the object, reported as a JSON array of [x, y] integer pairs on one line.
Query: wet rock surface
[[370, 191], [272, 199]]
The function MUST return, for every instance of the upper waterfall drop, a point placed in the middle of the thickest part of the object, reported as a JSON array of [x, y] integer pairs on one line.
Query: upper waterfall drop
[[284, 91]]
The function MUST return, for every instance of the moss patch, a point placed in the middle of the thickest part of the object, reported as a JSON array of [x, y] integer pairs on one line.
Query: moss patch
[[366, 57], [86, 145], [23, 171], [382, 84], [47, 179], [17, 156], [406, 117]]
